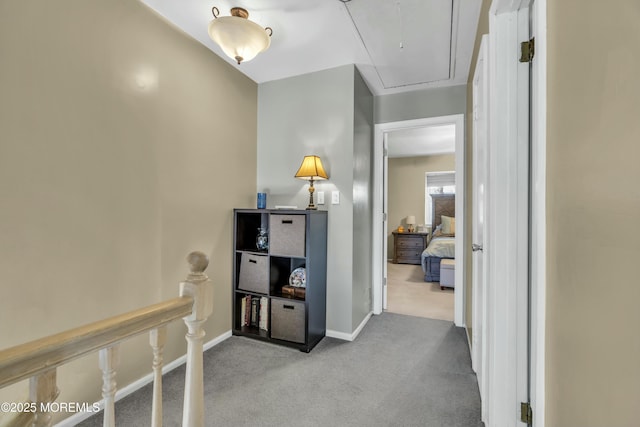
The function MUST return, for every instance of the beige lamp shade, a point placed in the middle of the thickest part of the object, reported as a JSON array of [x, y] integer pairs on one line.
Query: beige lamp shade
[[411, 219], [311, 169]]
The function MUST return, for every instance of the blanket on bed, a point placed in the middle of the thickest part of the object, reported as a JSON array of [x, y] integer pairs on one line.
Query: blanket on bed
[[442, 247]]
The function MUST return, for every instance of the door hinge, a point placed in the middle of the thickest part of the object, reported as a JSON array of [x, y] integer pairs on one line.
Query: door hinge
[[526, 413], [527, 50], [384, 216]]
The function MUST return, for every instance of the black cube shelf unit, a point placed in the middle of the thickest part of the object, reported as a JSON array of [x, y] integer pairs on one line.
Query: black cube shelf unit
[[296, 238]]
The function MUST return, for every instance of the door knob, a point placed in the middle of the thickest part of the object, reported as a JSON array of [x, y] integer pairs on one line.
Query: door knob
[[475, 247]]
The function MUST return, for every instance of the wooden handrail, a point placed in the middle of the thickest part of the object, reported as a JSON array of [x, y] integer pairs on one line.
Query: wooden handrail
[[38, 356], [38, 360]]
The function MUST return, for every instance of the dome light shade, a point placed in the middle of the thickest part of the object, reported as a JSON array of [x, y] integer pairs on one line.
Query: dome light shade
[[239, 38]]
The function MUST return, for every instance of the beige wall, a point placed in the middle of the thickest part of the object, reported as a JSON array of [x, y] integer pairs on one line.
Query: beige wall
[[593, 209], [406, 188], [120, 144]]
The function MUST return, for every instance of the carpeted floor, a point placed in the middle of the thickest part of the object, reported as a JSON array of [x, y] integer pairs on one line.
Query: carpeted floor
[[408, 293], [400, 371]]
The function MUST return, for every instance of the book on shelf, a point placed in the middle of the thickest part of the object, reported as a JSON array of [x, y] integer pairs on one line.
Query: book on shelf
[[264, 314], [247, 310], [243, 310], [254, 311]]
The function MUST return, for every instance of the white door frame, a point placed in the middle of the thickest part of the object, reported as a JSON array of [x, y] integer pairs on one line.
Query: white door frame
[[538, 211], [508, 298], [378, 197]]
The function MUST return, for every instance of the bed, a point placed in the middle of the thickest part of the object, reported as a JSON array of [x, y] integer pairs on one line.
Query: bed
[[441, 246]]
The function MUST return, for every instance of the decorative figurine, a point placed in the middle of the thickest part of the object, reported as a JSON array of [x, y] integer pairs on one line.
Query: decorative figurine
[[262, 241]]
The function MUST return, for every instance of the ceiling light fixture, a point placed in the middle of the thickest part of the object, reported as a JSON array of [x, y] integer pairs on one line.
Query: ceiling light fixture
[[239, 38]]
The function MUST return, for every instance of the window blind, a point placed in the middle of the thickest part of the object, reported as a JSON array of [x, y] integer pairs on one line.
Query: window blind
[[437, 182], [441, 179]]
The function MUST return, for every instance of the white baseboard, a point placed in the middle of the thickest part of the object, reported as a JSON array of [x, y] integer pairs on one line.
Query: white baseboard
[[137, 385], [214, 342], [352, 336]]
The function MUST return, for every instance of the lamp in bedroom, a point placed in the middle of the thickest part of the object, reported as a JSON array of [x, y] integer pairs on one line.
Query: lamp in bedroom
[[311, 169], [411, 222]]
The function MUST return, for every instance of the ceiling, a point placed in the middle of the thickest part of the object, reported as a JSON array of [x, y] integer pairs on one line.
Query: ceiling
[[424, 141], [398, 45]]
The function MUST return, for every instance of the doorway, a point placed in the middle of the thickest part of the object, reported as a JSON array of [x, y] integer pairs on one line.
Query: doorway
[[380, 211]]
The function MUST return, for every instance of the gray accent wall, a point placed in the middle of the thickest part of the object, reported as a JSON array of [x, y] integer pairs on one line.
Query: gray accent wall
[[420, 104], [316, 114], [362, 199]]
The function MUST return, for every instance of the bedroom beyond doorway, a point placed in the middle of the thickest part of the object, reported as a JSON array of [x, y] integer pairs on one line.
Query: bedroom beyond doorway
[[409, 294]]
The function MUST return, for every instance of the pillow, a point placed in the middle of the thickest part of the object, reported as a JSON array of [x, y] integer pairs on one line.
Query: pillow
[[448, 225]]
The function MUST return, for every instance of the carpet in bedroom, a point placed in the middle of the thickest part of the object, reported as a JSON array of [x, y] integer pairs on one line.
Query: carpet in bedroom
[[408, 293]]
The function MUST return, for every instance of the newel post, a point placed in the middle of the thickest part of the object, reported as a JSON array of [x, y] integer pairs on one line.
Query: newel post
[[199, 287]]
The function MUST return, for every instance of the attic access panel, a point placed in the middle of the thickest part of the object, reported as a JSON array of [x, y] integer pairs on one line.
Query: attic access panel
[[408, 41]]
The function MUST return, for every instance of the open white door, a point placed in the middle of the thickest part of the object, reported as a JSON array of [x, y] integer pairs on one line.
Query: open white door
[[508, 218], [479, 214]]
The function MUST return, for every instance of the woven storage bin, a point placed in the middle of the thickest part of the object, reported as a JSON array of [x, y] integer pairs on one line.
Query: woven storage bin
[[254, 273], [287, 320], [287, 235]]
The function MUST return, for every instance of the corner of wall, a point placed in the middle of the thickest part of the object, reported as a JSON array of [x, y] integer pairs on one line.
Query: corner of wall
[[321, 105], [362, 199]]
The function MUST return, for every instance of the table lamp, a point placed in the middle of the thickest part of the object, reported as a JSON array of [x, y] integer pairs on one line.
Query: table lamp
[[411, 222], [311, 169]]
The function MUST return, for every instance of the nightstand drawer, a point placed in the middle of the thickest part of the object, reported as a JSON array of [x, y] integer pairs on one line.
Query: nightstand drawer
[[410, 242], [413, 254], [408, 247]]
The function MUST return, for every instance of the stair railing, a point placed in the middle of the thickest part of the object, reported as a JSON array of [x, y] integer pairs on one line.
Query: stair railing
[[38, 360]]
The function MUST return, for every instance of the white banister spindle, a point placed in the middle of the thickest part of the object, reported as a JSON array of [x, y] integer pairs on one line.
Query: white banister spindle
[[157, 339], [37, 360], [199, 287], [43, 391], [108, 364]]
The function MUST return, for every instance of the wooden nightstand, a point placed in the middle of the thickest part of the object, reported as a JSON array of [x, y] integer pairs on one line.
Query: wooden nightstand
[[408, 247]]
